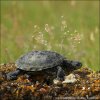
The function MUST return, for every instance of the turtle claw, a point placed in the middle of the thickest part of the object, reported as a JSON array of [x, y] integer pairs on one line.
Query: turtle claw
[[60, 73], [13, 75], [60, 79], [10, 77]]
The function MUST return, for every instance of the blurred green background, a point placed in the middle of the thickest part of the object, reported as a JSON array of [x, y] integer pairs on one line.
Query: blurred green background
[[68, 27]]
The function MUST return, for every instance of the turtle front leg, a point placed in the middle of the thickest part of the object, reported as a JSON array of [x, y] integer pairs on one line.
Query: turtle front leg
[[13, 75], [60, 73]]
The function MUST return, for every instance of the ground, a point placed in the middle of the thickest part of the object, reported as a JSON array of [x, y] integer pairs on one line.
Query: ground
[[87, 86]]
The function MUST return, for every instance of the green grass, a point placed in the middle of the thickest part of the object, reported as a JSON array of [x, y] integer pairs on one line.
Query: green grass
[[18, 19]]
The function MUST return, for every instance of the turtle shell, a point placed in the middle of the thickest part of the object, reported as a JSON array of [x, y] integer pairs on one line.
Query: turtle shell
[[39, 60]]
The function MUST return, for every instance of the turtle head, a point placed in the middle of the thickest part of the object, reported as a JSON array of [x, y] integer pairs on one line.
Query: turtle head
[[72, 65], [76, 64]]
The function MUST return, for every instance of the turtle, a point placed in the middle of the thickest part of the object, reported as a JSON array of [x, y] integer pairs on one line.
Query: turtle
[[42, 62]]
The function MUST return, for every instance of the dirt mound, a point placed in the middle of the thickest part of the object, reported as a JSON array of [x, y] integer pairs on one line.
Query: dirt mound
[[86, 86]]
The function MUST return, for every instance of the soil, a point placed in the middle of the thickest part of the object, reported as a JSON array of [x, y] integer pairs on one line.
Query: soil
[[87, 86]]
